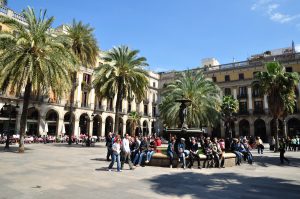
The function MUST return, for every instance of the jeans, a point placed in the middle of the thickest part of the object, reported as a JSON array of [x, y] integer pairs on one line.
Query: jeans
[[136, 158], [109, 153], [182, 159], [194, 157], [171, 157], [141, 157], [260, 149], [149, 155], [282, 158], [126, 158], [238, 157], [115, 157]]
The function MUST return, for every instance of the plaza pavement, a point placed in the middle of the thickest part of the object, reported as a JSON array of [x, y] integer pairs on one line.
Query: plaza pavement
[[55, 171]]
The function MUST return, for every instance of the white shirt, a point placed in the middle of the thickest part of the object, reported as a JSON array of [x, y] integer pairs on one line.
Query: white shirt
[[116, 148], [126, 147]]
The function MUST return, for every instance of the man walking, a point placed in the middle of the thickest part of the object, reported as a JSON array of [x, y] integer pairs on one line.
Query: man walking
[[126, 153], [109, 143]]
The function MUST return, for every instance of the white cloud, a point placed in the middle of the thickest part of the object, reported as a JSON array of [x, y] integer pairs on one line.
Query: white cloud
[[271, 9], [297, 47]]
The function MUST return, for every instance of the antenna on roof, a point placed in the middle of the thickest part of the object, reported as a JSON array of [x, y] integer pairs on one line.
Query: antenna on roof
[[233, 60]]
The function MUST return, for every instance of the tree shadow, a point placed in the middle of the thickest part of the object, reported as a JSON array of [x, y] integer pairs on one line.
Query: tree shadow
[[223, 185], [266, 161], [66, 145], [12, 149]]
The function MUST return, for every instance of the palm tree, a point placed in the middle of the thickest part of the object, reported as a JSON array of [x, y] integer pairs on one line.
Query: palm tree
[[84, 46], [279, 86], [229, 108], [204, 95], [34, 59], [122, 74], [134, 119]]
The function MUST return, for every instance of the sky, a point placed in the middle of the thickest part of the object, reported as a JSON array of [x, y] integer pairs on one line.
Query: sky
[[177, 34]]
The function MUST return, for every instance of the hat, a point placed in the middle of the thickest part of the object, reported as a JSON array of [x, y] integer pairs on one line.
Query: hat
[[183, 139]]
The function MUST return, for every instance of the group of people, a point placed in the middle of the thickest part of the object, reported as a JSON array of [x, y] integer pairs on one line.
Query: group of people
[[136, 151]]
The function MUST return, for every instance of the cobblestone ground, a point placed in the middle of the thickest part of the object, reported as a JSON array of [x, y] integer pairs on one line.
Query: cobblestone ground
[[59, 171]]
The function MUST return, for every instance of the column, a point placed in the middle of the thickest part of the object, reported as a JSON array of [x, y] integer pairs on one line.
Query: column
[[60, 125], [92, 98], [251, 128], [234, 93], [250, 100], [266, 106], [236, 129], [124, 127], [18, 121], [91, 127], [268, 129], [42, 125], [76, 128], [102, 133], [78, 99]]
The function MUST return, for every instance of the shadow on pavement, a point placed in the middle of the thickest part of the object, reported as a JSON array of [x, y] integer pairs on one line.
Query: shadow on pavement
[[100, 159], [266, 161], [223, 185], [12, 149], [66, 145], [102, 169]]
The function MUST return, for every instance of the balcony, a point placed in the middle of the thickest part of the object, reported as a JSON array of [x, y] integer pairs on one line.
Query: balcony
[[257, 94], [258, 111], [67, 106], [243, 112], [122, 111], [85, 105], [242, 96], [100, 108], [86, 86], [110, 109]]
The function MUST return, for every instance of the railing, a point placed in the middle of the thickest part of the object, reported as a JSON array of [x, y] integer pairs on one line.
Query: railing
[[242, 96], [85, 105], [243, 112], [110, 109], [257, 95], [258, 112], [100, 108], [19, 17]]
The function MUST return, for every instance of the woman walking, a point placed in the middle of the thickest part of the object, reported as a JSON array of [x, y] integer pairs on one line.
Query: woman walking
[[116, 149]]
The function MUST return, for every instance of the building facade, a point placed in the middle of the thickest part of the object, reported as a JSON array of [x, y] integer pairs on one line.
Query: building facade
[[95, 116], [236, 79]]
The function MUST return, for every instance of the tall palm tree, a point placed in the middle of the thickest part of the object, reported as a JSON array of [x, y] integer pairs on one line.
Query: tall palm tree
[[229, 108], [33, 59], [204, 96], [134, 119], [279, 86], [122, 74], [84, 46]]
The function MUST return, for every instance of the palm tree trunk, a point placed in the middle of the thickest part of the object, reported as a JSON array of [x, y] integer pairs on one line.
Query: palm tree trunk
[[118, 101], [284, 128], [72, 109], [23, 121], [276, 134]]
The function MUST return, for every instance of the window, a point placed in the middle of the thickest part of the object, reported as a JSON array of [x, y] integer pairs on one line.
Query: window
[[214, 79], [243, 107], [154, 85], [145, 109], [258, 105], [227, 91], [99, 102], [84, 99], [87, 78], [129, 107], [154, 111], [289, 69], [254, 73], [242, 91], [256, 91], [227, 78], [241, 76]]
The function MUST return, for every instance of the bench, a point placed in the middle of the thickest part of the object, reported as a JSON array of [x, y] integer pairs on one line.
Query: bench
[[162, 160]]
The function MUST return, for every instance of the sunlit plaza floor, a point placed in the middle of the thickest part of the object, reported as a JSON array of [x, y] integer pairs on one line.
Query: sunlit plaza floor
[[60, 171]]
